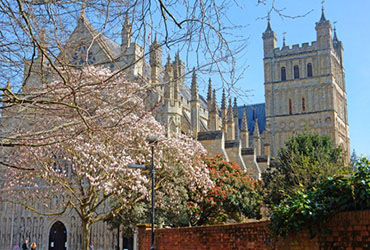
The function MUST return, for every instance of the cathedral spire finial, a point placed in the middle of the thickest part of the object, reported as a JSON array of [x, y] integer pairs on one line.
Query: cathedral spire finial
[[168, 59], [214, 102], [268, 29], [256, 131], [155, 38], [335, 38], [177, 56], [42, 43], [223, 100], [82, 16], [155, 41], [127, 19], [230, 114], [168, 65], [235, 107], [322, 19], [209, 94], [194, 87], [284, 33], [244, 125], [126, 32], [168, 69], [83, 9], [214, 98]]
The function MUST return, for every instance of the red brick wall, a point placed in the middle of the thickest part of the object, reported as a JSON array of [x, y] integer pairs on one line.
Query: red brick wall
[[348, 231]]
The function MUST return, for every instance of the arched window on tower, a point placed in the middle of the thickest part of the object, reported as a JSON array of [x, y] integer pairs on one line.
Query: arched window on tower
[[290, 107], [303, 105], [309, 70], [283, 74], [296, 72]]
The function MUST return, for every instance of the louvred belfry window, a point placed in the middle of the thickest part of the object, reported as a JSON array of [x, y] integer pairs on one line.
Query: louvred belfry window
[[283, 74], [296, 72], [309, 70]]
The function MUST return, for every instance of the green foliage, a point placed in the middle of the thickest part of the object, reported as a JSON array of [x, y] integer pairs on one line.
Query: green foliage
[[308, 209], [305, 161], [361, 184], [127, 219], [234, 197]]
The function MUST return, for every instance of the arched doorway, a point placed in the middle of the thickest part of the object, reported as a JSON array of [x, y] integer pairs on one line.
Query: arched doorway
[[58, 237]]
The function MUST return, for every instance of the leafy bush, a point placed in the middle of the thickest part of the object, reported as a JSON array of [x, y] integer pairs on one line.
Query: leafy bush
[[304, 162], [309, 209], [234, 196]]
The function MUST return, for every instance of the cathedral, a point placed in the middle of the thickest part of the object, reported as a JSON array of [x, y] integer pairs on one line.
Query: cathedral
[[304, 91]]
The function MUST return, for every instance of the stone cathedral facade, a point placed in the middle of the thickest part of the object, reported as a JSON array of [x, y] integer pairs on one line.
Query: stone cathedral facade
[[304, 91]]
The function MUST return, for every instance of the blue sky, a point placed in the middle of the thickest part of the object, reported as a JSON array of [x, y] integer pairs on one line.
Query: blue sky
[[353, 21]]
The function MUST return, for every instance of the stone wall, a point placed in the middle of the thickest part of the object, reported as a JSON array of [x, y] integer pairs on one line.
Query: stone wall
[[349, 230], [249, 157], [18, 224], [233, 151], [213, 142]]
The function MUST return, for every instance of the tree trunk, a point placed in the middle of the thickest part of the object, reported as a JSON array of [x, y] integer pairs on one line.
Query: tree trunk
[[85, 234]]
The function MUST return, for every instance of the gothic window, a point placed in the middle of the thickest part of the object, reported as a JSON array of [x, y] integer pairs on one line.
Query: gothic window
[[296, 72], [309, 70], [290, 107], [303, 105], [283, 74], [83, 54]]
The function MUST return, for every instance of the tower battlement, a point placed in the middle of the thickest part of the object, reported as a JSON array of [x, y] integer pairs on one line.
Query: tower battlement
[[295, 49]]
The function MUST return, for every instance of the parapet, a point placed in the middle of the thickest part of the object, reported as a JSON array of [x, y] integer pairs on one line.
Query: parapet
[[262, 158], [209, 135], [232, 144], [247, 151], [296, 49], [213, 142]]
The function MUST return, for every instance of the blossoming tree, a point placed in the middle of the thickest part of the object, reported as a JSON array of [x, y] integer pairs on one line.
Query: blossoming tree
[[234, 197], [94, 124]]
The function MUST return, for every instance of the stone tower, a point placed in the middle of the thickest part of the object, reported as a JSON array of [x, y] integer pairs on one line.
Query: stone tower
[[305, 88]]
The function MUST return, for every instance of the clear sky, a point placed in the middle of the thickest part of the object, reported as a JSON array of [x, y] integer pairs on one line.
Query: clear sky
[[353, 29]]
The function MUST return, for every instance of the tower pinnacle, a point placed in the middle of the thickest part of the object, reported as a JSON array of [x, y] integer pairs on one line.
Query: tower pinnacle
[[335, 38], [284, 33], [209, 94], [82, 16], [223, 100], [230, 115], [235, 108], [322, 19], [268, 29], [214, 101], [126, 32], [194, 87], [256, 131], [244, 125], [269, 40]]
